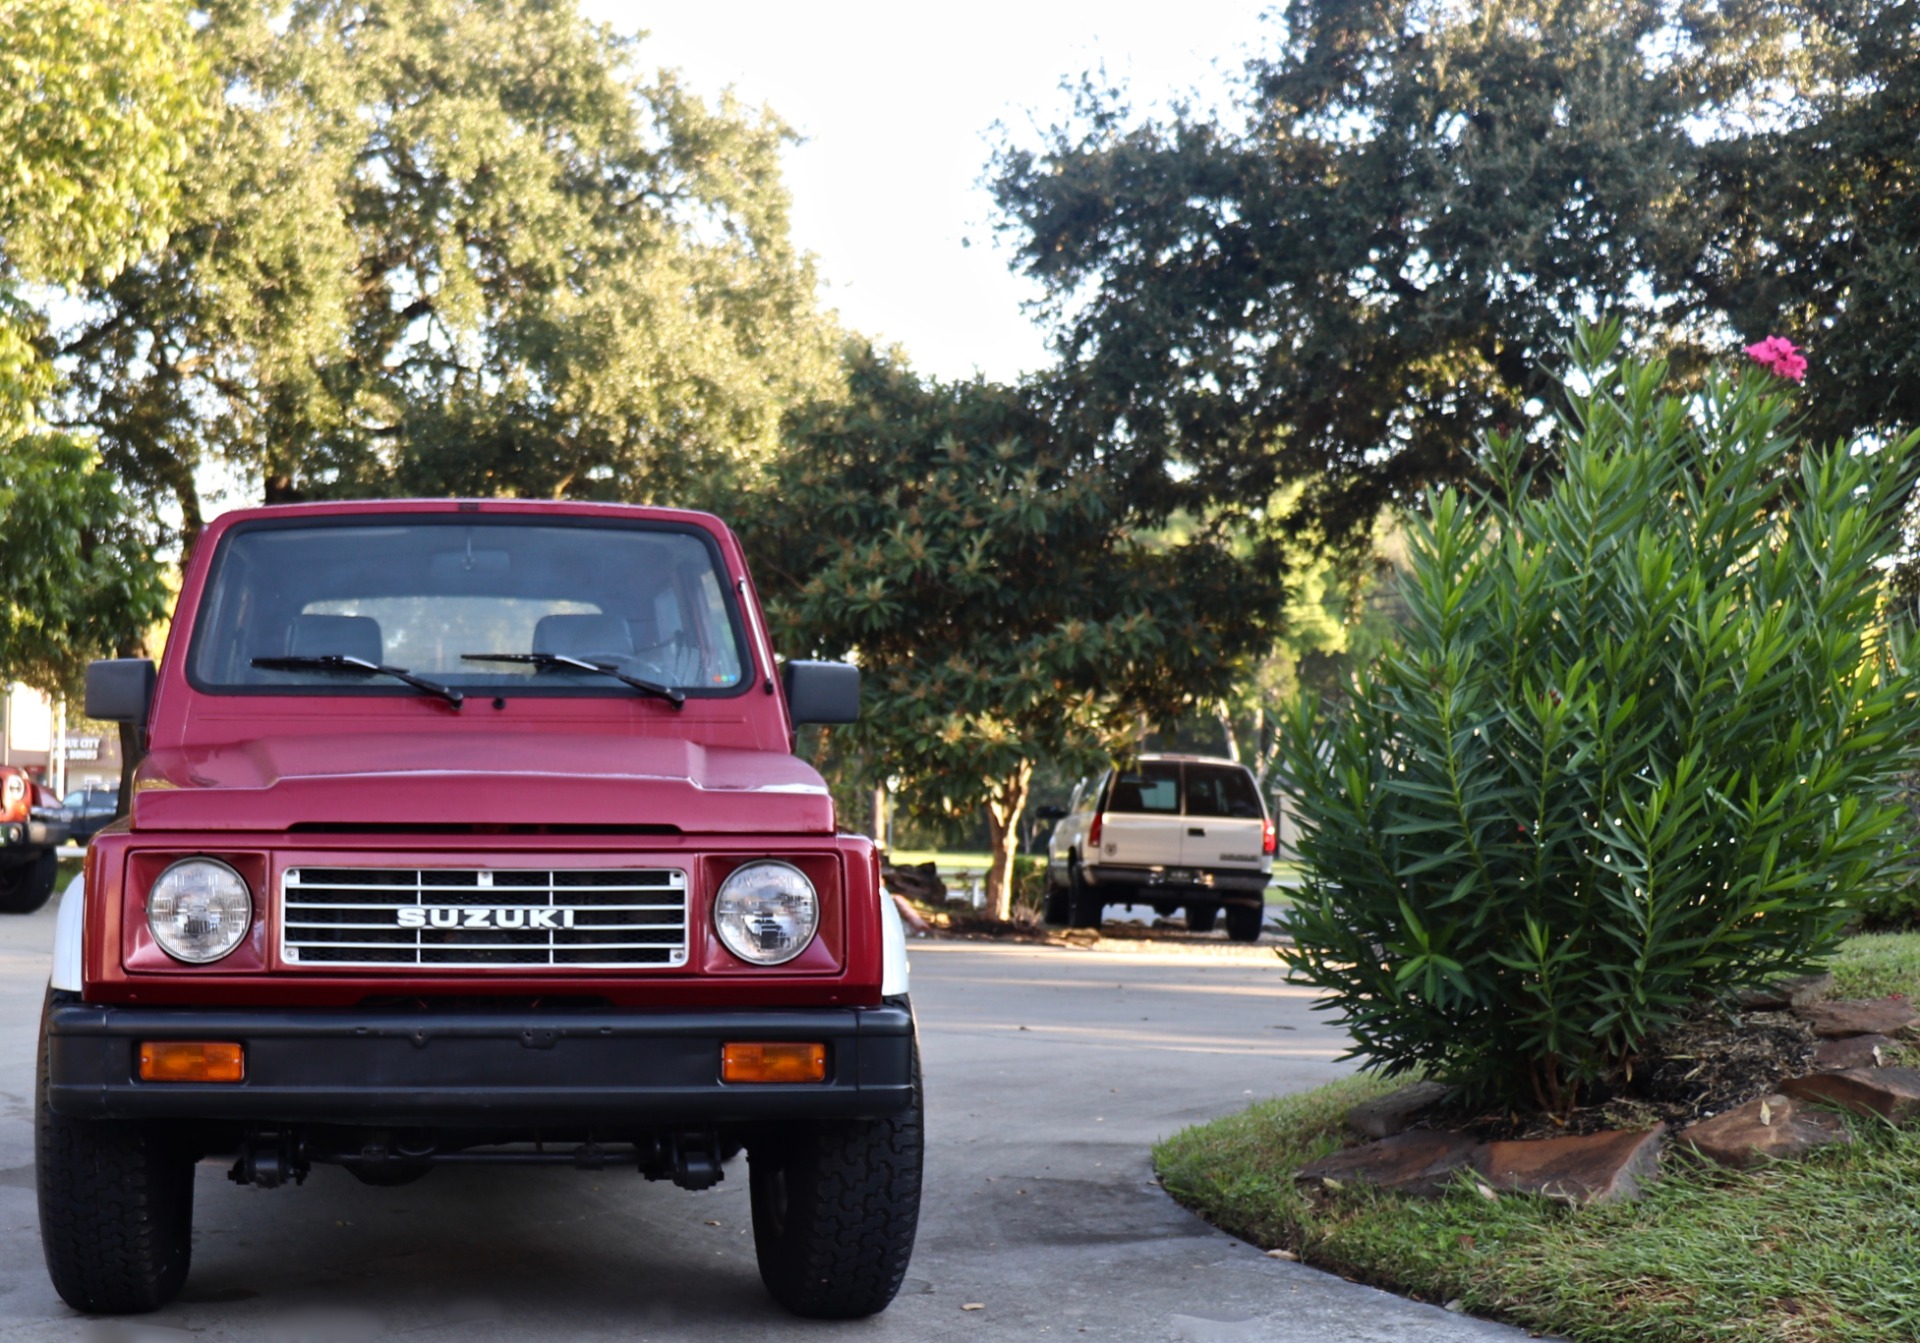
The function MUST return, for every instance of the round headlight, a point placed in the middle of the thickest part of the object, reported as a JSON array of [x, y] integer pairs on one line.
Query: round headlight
[[199, 910], [766, 913]]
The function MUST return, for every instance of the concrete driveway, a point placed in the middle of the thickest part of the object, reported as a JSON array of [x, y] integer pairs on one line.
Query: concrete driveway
[[1049, 1073]]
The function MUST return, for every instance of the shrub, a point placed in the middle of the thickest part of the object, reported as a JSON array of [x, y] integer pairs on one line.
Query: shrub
[[1897, 906], [1637, 746]]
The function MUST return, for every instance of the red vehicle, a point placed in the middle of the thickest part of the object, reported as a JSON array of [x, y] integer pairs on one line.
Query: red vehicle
[[472, 832], [31, 829]]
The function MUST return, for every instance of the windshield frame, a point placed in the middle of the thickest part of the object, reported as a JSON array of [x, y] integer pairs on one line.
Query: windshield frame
[[597, 688]]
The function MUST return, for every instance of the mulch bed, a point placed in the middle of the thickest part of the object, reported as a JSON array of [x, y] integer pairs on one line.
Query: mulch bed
[[1711, 1062]]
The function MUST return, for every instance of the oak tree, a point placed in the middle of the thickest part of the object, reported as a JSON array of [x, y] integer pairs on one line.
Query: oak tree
[[99, 104], [1367, 264], [456, 246], [992, 580]]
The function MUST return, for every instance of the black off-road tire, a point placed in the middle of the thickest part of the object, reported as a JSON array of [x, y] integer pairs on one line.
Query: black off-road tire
[[24, 887], [1200, 918], [1244, 922], [1057, 910], [1085, 907], [116, 1207], [835, 1209]]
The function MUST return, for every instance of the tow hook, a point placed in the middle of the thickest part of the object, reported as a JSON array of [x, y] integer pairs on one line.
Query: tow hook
[[690, 1160], [269, 1160]]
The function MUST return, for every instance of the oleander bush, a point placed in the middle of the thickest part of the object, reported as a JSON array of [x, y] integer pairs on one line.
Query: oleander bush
[[1638, 746]]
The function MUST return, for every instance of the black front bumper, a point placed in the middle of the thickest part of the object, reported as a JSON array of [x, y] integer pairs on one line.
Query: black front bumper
[[477, 1069], [26, 840]]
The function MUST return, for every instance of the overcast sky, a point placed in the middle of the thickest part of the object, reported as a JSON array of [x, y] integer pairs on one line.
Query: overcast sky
[[897, 101]]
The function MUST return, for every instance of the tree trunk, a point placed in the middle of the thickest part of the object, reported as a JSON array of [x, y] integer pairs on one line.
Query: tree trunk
[[1005, 801], [192, 520], [133, 736], [1222, 712]]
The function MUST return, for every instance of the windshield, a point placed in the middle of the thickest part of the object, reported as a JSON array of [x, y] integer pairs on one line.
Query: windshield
[[422, 594]]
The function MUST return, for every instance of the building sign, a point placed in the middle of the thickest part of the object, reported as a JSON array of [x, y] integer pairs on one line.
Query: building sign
[[29, 720], [82, 748]]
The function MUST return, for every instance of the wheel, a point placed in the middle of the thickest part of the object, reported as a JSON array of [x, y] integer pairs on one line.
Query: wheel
[[1084, 905], [24, 887], [1057, 910], [835, 1209], [1244, 922], [116, 1207], [1200, 918]]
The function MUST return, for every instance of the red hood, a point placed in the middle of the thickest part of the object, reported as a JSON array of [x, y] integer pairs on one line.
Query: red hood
[[272, 783]]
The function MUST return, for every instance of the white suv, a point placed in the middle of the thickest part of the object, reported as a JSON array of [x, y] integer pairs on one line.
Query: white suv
[[1169, 831]]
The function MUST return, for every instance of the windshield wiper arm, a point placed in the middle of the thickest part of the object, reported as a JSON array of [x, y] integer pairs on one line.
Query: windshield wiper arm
[[560, 661], [360, 667]]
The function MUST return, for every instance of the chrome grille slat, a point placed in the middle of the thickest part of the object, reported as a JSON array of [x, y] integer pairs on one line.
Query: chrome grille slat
[[609, 918]]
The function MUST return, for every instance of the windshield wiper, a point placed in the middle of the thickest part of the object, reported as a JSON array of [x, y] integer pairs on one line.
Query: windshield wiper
[[561, 662], [359, 667]]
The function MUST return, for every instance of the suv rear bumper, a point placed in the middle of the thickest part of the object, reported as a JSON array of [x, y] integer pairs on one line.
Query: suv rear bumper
[[469, 1068], [1227, 888]]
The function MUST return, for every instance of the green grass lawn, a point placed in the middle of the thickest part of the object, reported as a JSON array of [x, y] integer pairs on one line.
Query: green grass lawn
[[1797, 1252]]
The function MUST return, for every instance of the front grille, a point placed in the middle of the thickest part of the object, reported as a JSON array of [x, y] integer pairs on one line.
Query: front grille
[[610, 918]]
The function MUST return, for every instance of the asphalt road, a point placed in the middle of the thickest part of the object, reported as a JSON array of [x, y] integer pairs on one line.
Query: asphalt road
[[1049, 1074]]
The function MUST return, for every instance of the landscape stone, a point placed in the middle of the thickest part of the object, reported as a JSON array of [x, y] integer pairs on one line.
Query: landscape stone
[[1421, 1161], [1786, 993], [1387, 1115], [1841, 1017], [1855, 1051], [1604, 1167], [1891, 1093], [1770, 1128]]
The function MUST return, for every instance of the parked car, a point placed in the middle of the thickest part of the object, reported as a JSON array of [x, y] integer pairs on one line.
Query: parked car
[[1169, 831], [32, 826], [87, 810], [472, 831]]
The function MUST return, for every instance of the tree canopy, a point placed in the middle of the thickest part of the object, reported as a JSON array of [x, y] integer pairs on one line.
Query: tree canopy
[[99, 101], [1370, 269], [1812, 208], [445, 246]]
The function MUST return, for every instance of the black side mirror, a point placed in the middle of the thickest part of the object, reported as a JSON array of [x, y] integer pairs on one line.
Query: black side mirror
[[1050, 814], [822, 692], [120, 690]]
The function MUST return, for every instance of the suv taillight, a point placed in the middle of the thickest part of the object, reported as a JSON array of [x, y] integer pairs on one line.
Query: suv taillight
[[1269, 837], [1093, 831], [16, 796]]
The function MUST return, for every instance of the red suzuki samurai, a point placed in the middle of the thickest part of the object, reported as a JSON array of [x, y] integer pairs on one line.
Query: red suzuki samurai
[[473, 832]]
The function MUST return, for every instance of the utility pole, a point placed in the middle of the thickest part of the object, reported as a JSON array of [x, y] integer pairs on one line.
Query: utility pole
[[57, 761]]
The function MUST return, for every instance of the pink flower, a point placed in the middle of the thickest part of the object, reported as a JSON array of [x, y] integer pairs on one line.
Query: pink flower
[[1780, 357]]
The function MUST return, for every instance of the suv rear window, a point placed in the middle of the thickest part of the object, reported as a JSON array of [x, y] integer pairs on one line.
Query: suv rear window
[[1222, 790], [1153, 787]]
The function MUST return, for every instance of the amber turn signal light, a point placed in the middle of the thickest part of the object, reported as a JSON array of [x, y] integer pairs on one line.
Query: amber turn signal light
[[191, 1061], [781, 1062]]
